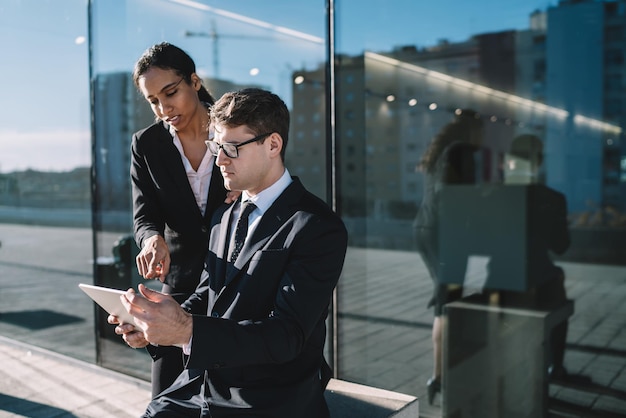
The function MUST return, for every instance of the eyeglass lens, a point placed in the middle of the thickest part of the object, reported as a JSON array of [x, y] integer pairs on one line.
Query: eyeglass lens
[[231, 150]]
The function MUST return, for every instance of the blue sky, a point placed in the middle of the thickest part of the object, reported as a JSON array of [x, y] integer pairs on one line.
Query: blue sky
[[44, 80]]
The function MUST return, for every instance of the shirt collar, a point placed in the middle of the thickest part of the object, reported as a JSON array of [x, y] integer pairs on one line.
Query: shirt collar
[[266, 198]]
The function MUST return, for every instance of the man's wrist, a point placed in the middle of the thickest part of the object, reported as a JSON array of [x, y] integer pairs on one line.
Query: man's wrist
[[188, 331], [187, 327]]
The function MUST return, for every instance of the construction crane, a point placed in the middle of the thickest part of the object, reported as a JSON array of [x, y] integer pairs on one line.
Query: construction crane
[[215, 37]]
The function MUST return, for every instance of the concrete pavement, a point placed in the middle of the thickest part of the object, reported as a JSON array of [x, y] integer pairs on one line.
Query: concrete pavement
[[40, 383], [383, 296]]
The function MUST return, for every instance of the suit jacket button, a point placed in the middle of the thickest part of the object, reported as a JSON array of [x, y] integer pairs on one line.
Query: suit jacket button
[[215, 315]]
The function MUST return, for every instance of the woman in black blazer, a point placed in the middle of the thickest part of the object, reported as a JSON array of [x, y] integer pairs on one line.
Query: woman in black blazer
[[449, 159], [176, 185]]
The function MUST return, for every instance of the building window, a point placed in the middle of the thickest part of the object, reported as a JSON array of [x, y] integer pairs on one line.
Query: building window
[[539, 70], [614, 33], [613, 82], [613, 108], [614, 57], [539, 40]]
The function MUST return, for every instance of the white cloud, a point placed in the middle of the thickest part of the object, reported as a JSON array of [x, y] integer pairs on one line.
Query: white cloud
[[48, 151]]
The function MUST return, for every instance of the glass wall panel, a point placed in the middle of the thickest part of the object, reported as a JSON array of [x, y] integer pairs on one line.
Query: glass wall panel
[[45, 217], [517, 216], [481, 153], [276, 46]]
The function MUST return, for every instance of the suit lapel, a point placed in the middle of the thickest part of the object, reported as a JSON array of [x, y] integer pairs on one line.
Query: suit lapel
[[221, 250], [277, 214], [217, 192]]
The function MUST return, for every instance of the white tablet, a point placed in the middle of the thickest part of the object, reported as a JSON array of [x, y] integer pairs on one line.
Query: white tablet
[[109, 300]]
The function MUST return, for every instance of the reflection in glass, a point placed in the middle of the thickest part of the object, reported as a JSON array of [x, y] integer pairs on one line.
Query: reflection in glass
[[522, 70], [45, 217]]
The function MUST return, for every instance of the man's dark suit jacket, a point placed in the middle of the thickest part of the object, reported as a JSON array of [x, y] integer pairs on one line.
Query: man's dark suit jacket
[[259, 325], [163, 203]]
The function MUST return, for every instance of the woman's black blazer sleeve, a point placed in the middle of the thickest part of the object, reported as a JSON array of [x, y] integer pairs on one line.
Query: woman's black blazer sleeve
[[163, 203]]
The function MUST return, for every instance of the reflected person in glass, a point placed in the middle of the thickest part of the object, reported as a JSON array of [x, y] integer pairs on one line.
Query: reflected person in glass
[[449, 159], [524, 166], [176, 185]]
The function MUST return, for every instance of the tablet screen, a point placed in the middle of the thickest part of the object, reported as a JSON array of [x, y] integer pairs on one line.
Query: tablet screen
[[109, 300]]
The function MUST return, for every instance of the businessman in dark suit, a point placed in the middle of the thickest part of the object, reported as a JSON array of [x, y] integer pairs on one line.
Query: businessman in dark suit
[[255, 328]]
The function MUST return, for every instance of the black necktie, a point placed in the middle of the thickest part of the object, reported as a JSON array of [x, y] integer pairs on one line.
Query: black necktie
[[242, 229]]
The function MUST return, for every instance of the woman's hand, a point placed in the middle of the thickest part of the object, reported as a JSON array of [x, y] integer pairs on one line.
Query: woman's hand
[[153, 262], [232, 195]]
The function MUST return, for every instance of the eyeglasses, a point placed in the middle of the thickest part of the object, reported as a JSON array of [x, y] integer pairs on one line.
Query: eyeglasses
[[232, 150]]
